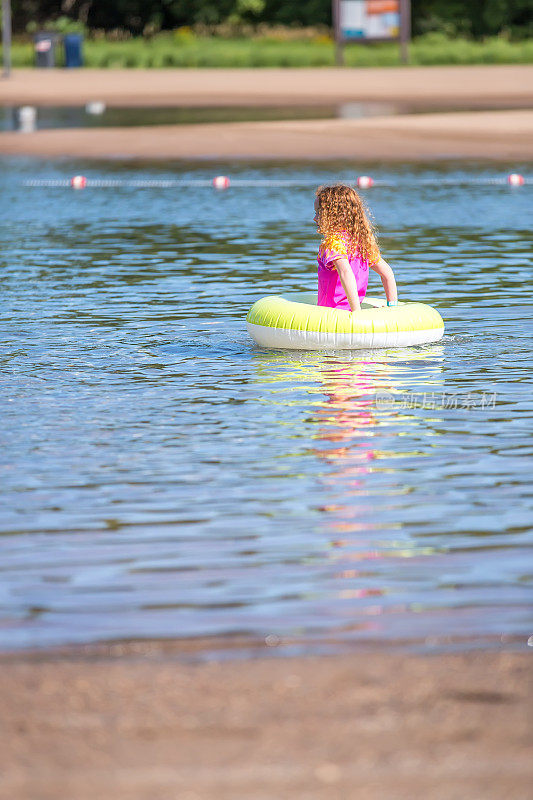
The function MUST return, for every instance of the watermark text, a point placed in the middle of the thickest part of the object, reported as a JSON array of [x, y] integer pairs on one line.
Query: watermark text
[[436, 400]]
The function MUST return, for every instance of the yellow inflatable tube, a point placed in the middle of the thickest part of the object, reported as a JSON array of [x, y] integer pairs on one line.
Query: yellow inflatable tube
[[299, 324]]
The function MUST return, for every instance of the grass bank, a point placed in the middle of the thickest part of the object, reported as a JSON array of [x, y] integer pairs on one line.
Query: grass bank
[[185, 49]]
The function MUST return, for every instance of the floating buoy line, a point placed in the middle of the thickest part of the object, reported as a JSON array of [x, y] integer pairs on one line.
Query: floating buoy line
[[222, 182]]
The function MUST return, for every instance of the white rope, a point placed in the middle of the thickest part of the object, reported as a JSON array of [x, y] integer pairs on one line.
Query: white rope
[[99, 183]]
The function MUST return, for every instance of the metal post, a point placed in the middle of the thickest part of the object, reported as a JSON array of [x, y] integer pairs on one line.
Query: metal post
[[339, 46], [6, 37], [405, 30]]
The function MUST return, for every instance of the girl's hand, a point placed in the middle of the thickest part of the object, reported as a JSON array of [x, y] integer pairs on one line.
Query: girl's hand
[[347, 278]]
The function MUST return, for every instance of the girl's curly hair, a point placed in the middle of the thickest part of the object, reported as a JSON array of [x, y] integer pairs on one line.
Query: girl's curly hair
[[340, 208]]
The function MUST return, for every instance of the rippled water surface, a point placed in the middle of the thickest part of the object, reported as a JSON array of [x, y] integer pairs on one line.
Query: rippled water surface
[[164, 477]]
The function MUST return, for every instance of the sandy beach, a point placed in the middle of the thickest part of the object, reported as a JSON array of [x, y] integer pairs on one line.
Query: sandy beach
[[475, 86], [501, 134], [134, 721]]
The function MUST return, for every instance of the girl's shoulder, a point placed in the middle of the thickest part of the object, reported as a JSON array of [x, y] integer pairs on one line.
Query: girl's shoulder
[[337, 242]]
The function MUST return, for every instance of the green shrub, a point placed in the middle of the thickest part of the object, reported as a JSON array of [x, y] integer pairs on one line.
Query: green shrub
[[183, 48]]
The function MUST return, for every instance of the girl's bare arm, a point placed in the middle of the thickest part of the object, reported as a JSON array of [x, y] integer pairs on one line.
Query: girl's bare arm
[[387, 278]]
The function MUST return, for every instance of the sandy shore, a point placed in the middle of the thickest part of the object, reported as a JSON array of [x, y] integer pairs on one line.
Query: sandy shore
[[135, 722], [476, 86], [502, 135], [496, 135]]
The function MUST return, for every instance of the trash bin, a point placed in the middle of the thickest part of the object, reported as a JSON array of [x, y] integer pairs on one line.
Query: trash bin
[[45, 47], [72, 43]]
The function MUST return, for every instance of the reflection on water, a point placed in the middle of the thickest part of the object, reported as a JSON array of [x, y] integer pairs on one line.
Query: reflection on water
[[346, 438], [124, 117], [162, 476], [78, 117]]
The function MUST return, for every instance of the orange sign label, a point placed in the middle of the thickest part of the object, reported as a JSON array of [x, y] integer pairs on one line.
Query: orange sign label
[[382, 7]]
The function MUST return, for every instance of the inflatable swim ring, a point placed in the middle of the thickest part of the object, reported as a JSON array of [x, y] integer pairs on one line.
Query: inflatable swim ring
[[299, 324]]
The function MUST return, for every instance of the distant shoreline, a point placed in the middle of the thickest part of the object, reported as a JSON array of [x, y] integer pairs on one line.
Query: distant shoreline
[[489, 135], [498, 135], [494, 86]]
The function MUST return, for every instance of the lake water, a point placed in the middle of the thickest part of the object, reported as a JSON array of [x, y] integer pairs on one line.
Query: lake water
[[124, 116], [164, 477]]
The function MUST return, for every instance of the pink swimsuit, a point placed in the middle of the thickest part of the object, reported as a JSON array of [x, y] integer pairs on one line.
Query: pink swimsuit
[[330, 291]]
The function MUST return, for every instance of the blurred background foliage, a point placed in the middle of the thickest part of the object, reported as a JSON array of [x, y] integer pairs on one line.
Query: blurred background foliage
[[473, 19]]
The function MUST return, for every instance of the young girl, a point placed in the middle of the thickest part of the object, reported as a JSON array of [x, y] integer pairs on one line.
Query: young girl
[[347, 250]]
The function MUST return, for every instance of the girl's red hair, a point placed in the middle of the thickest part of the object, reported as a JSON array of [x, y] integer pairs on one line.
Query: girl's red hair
[[340, 209]]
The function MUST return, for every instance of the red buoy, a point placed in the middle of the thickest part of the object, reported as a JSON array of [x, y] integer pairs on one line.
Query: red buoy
[[221, 182], [514, 179], [78, 182], [365, 181]]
